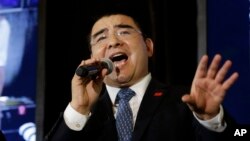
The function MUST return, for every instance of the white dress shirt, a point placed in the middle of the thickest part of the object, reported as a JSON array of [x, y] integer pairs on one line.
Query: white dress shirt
[[77, 121]]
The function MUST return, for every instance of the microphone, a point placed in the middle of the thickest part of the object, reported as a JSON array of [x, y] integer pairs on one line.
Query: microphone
[[94, 69]]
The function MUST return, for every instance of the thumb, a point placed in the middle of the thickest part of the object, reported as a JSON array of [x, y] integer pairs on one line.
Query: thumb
[[186, 98], [189, 101]]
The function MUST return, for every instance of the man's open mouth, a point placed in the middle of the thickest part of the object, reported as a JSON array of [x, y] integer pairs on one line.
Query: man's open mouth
[[120, 57]]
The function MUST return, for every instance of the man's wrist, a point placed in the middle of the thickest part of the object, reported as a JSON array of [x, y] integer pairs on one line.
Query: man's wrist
[[73, 119], [216, 124]]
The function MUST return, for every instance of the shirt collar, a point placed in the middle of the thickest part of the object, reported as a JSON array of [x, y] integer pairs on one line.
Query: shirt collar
[[139, 88]]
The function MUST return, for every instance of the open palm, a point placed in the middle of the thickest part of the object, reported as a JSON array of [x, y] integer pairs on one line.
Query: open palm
[[209, 87]]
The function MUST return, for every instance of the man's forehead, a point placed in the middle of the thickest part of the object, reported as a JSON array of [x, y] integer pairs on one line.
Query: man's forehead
[[109, 22]]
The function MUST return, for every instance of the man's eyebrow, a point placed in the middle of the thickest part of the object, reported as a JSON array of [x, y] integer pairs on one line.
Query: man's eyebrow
[[123, 26], [99, 32], [116, 26]]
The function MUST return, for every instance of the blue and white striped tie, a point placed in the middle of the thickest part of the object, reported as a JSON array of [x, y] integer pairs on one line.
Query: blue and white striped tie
[[124, 117]]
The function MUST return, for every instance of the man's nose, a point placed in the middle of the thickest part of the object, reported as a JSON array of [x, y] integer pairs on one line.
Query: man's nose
[[114, 41]]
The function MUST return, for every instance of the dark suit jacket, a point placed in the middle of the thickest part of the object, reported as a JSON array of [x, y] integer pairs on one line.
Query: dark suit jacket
[[162, 116]]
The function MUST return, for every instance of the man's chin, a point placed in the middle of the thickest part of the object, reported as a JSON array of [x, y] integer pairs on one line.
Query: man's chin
[[118, 81]]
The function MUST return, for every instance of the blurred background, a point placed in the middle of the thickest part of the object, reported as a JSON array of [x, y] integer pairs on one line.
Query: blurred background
[[42, 42], [18, 67]]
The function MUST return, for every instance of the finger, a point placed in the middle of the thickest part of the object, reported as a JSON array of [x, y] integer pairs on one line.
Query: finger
[[230, 81], [189, 101], [87, 62], [202, 67], [102, 75], [104, 72], [91, 61], [213, 68], [223, 71], [185, 98], [82, 63]]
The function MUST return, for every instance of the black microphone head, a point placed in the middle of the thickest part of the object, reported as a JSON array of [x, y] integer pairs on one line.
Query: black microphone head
[[108, 64]]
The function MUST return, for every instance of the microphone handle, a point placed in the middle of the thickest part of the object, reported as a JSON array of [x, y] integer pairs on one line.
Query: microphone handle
[[86, 71]]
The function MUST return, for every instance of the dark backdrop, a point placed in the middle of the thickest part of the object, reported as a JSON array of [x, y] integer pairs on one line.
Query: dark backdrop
[[173, 30]]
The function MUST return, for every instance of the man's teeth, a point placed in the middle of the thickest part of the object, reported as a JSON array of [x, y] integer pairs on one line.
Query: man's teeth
[[117, 55]]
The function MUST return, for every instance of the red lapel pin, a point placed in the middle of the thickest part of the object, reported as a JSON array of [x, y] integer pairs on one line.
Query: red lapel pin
[[158, 94]]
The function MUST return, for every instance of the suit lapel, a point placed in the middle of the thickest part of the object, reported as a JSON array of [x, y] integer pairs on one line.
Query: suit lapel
[[106, 118], [151, 100], [108, 106]]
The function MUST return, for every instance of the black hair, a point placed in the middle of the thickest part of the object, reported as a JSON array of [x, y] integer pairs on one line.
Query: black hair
[[139, 14]]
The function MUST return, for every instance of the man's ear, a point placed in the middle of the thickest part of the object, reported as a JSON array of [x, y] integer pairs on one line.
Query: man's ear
[[150, 46]]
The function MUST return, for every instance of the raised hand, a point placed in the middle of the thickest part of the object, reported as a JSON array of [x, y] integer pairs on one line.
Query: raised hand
[[209, 87]]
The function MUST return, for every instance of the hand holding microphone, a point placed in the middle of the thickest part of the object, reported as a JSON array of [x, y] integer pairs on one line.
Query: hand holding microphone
[[85, 92]]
